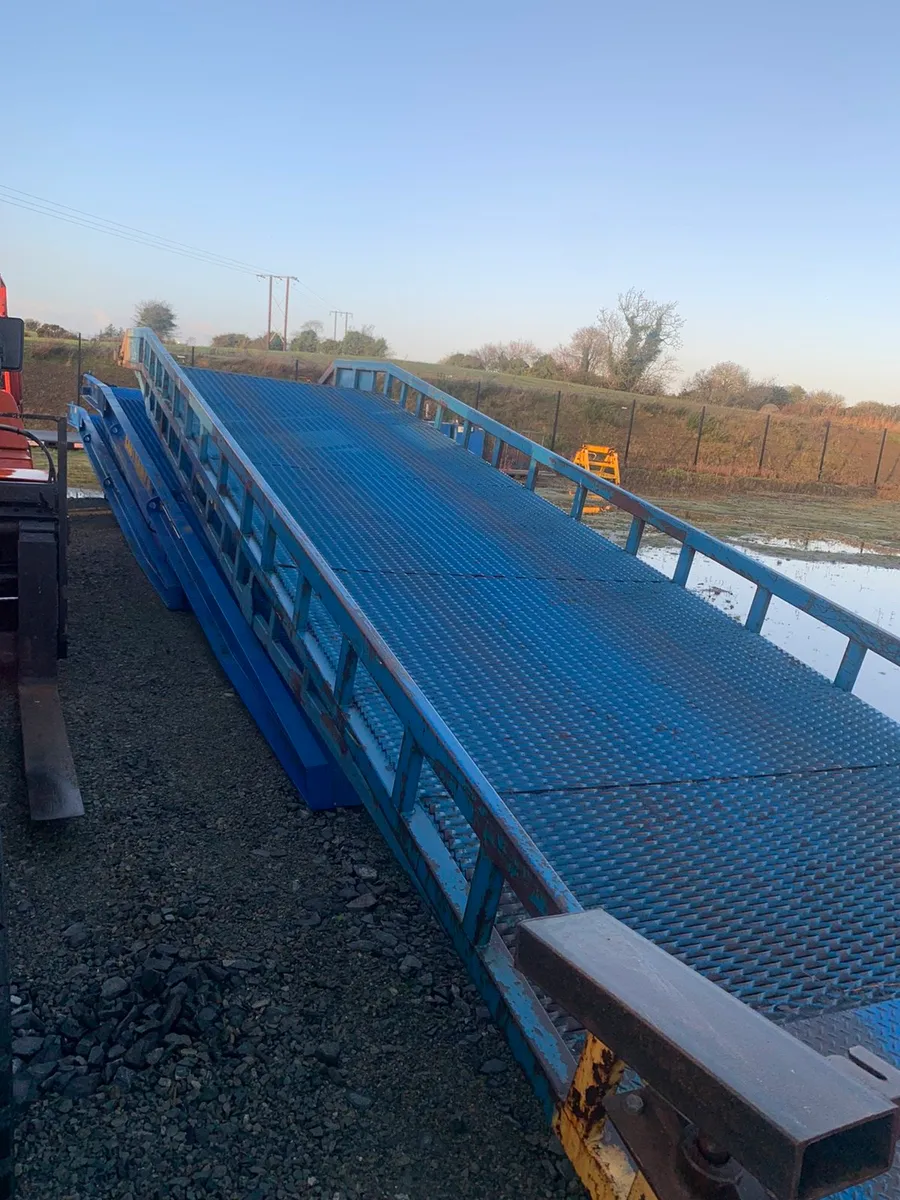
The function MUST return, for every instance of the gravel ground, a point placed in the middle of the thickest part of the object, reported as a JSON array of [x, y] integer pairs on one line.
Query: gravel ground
[[217, 993]]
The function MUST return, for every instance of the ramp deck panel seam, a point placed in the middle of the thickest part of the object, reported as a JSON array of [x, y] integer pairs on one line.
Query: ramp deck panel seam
[[580, 680]]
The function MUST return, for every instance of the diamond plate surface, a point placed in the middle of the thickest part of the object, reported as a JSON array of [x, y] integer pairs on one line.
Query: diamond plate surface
[[554, 684], [386, 492], [685, 774], [786, 893]]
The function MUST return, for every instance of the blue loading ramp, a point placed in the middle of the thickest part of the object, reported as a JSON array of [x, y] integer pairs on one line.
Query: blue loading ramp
[[441, 628]]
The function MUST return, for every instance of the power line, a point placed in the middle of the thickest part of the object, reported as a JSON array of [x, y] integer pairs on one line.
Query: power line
[[49, 207], [129, 233], [112, 233]]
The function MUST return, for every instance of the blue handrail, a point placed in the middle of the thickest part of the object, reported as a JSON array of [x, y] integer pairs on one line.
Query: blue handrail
[[862, 635], [289, 595], [426, 736], [276, 573]]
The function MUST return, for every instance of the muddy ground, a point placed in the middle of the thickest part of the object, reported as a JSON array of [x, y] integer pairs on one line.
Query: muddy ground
[[863, 524]]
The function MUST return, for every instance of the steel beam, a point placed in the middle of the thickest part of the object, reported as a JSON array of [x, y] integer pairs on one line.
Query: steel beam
[[53, 792], [786, 1114]]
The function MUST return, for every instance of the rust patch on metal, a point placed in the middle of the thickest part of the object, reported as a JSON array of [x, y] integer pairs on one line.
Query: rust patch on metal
[[597, 1074]]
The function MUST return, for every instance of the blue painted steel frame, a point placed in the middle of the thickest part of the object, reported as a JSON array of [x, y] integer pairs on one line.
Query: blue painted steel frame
[[862, 635], [164, 540], [142, 525], [275, 571]]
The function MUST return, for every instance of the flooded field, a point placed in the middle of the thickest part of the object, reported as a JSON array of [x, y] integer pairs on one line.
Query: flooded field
[[864, 581]]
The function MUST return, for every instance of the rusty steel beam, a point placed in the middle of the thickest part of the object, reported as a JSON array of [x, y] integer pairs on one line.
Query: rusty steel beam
[[798, 1125]]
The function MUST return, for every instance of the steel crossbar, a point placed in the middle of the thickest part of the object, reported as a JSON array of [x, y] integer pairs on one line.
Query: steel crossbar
[[277, 573], [862, 635]]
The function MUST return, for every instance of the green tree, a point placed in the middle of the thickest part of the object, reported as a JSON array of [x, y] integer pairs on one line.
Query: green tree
[[158, 316], [546, 367], [51, 330], [110, 333], [462, 360], [306, 341], [232, 341], [362, 343]]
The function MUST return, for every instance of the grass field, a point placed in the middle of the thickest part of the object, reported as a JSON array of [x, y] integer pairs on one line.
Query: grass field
[[81, 473], [674, 446]]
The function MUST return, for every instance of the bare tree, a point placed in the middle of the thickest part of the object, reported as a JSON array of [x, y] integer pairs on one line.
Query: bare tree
[[488, 356], [512, 357], [640, 333], [522, 350], [820, 399], [315, 327], [723, 383], [584, 358]]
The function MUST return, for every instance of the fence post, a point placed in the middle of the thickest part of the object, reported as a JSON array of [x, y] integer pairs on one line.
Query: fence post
[[555, 422], [630, 428], [477, 404], [824, 449], [762, 449], [78, 375], [699, 435], [880, 456]]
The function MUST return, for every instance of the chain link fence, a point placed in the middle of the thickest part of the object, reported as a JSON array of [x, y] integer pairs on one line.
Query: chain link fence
[[666, 435]]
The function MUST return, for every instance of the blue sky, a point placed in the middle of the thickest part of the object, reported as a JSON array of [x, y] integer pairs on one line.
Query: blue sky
[[473, 171]]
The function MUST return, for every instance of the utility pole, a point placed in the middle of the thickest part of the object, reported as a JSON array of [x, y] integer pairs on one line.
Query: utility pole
[[287, 291], [269, 318], [287, 300], [340, 312]]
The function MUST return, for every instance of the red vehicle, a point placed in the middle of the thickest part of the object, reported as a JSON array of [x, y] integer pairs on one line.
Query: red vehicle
[[15, 449]]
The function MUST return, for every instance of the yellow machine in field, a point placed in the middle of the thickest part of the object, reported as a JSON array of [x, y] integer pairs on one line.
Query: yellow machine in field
[[602, 461]]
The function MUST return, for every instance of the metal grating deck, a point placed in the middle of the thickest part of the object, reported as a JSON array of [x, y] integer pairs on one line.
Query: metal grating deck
[[674, 768]]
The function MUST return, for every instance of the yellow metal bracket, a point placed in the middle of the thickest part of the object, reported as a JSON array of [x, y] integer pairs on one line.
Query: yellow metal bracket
[[580, 1124]]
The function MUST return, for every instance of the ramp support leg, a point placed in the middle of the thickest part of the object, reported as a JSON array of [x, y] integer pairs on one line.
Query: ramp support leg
[[604, 1169]]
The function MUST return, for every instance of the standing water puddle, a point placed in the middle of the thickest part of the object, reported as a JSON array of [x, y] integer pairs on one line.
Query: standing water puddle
[[872, 591]]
